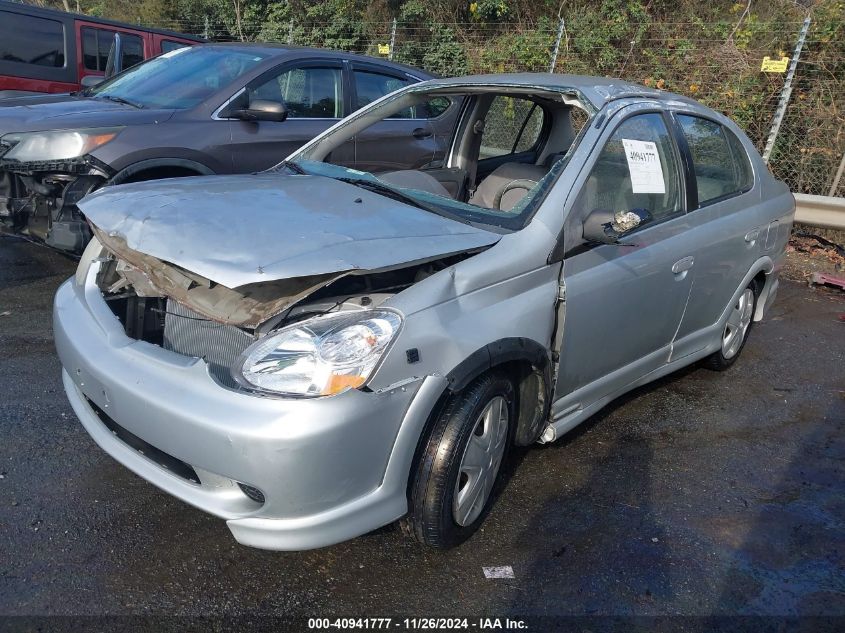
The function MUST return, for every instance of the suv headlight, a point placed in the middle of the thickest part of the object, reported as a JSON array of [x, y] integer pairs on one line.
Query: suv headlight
[[320, 356], [36, 147]]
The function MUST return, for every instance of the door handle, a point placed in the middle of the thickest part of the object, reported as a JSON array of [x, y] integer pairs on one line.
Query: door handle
[[421, 133], [752, 235], [683, 264]]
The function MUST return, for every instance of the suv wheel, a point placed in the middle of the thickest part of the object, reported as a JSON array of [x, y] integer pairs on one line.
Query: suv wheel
[[459, 467]]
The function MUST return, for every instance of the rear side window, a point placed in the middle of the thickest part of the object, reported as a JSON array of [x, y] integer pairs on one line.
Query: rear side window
[[370, 86], [720, 163], [513, 125], [30, 40]]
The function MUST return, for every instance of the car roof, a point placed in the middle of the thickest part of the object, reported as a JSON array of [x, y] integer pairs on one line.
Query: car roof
[[596, 90], [278, 50]]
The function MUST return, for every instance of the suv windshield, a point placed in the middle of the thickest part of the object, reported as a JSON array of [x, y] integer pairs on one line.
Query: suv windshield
[[179, 79]]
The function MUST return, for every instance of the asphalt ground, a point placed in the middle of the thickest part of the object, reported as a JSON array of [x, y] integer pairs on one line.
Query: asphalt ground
[[703, 495]]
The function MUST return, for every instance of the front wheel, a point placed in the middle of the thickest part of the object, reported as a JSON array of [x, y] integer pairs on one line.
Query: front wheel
[[736, 330], [459, 467]]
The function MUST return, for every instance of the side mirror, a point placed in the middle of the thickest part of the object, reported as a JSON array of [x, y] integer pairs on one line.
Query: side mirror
[[606, 227], [114, 63], [89, 81], [262, 110]]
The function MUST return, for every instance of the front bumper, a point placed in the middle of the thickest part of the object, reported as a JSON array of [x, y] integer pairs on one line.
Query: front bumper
[[329, 468]]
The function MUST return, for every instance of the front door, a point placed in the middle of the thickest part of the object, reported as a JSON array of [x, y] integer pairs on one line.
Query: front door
[[623, 302], [313, 94]]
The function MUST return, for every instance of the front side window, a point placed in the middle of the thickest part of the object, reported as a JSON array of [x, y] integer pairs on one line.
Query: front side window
[[30, 40], [720, 163], [133, 50], [97, 43], [179, 79], [95, 48], [315, 93], [637, 170], [512, 125]]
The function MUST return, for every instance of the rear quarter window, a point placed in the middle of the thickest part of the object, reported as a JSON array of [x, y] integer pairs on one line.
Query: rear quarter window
[[719, 160], [31, 40]]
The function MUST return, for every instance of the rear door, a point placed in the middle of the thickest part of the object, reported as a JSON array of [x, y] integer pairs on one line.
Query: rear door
[[408, 139], [728, 221], [623, 302], [314, 93]]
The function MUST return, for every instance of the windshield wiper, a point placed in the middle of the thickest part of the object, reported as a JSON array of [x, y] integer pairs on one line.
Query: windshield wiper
[[390, 192], [289, 164], [117, 99]]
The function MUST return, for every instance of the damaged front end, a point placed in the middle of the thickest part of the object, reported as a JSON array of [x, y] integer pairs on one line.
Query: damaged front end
[[165, 305], [282, 284], [39, 196]]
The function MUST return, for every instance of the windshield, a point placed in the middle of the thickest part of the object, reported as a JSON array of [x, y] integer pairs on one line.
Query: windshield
[[179, 79], [486, 155]]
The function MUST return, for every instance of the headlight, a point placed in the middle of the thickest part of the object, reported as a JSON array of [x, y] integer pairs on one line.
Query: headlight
[[57, 145], [320, 356]]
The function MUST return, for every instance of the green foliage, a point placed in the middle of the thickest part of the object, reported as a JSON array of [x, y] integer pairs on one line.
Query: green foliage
[[710, 51], [429, 44]]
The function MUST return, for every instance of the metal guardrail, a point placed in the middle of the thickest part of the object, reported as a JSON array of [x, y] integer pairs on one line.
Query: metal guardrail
[[823, 212]]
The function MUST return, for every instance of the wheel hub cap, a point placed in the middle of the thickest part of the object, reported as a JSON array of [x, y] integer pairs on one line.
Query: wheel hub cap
[[737, 325], [480, 462]]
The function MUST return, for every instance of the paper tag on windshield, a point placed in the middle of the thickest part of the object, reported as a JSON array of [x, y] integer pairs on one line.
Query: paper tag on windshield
[[644, 166]]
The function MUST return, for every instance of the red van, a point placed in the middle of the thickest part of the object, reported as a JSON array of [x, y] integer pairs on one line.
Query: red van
[[45, 51]]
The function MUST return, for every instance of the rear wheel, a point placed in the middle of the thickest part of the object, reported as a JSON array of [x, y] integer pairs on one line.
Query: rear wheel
[[736, 330], [455, 479]]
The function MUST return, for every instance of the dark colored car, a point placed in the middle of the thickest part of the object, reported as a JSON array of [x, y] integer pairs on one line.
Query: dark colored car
[[45, 51], [208, 109]]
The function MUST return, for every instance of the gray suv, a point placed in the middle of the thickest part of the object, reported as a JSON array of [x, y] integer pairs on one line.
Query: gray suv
[[211, 109]]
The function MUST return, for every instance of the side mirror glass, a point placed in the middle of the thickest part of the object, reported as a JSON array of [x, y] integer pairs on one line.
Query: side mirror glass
[[89, 81], [262, 110], [606, 227]]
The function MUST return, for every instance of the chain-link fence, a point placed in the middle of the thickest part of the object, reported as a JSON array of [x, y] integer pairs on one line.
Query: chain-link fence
[[718, 63]]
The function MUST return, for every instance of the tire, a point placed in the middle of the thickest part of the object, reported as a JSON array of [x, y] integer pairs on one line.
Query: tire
[[739, 325], [442, 513]]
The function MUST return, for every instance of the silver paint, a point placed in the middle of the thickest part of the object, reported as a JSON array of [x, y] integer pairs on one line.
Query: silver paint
[[269, 226], [336, 467]]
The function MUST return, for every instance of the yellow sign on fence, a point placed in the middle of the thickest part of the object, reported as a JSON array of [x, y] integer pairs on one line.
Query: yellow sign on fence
[[384, 49], [774, 65]]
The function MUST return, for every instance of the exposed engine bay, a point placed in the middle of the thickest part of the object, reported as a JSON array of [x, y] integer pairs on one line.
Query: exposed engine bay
[[165, 305], [40, 199]]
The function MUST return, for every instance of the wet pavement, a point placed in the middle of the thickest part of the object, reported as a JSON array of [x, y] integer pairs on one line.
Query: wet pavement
[[702, 494]]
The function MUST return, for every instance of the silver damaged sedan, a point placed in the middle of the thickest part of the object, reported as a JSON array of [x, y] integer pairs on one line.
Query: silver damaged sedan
[[315, 351]]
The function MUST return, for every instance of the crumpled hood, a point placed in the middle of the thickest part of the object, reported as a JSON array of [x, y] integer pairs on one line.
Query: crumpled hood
[[65, 113], [238, 230]]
